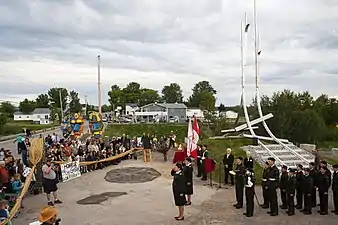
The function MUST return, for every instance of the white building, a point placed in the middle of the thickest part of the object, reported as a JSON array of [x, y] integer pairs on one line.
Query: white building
[[230, 114], [191, 112], [38, 116], [131, 108]]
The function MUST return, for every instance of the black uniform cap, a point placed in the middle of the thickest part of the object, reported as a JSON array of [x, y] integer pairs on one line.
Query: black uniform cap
[[300, 166], [284, 167], [189, 159], [179, 165], [240, 157], [307, 169], [272, 159], [335, 166], [312, 163], [292, 170], [324, 162]]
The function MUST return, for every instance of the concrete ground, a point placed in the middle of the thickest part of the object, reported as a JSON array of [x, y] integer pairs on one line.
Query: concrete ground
[[151, 203]]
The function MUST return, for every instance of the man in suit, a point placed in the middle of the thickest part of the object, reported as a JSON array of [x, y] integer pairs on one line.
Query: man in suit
[[228, 162], [248, 161]]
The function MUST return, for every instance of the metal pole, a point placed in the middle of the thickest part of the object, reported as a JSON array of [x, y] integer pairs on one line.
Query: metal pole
[[61, 105], [99, 82]]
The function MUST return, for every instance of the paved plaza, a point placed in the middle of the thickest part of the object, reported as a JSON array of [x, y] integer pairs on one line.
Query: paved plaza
[[90, 200]]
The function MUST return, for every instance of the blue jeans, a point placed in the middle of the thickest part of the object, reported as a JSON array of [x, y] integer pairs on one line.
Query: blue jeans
[[24, 157]]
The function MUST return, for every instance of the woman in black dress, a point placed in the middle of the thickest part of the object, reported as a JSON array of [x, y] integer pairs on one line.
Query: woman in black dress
[[179, 189], [188, 172]]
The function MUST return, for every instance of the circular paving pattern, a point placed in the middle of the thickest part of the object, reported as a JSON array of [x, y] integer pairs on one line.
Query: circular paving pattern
[[132, 175], [97, 199]]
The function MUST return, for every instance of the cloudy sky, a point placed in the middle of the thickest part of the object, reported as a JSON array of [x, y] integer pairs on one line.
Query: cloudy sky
[[45, 43]]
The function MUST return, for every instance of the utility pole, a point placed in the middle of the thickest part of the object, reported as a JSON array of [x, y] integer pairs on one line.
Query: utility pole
[[61, 106], [99, 82]]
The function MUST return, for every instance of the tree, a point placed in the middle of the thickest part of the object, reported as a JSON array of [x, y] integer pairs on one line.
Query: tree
[[54, 97], [199, 92], [74, 104], [222, 108], [172, 93], [3, 121], [116, 97], [148, 96], [206, 101], [106, 108], [42, 101], [27, 106], [7, 108], [132, 92]]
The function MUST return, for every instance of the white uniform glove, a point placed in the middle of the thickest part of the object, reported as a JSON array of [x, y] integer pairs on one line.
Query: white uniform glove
[[232, 172]]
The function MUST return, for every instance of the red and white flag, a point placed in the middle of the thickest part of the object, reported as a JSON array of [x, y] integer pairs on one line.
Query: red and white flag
[[193, 141]]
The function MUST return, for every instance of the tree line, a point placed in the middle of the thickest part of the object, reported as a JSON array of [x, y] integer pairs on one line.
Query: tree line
[[70, 101], [203, 96]]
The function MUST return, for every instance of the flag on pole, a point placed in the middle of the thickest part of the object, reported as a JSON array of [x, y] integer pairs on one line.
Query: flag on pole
[[189, 141], [195, 138]]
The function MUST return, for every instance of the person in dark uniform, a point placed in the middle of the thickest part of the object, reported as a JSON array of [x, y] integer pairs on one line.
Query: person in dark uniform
[[272, 183], [290, 192], [204, 156], [323, 189], [282, 186], [248, 161], [307, 185], [249, 192], [299, 191], [314, 174], [265, 204], [179, 189], [228, 162], [335, 189], [239, 172], [199, 161], [188, 174]]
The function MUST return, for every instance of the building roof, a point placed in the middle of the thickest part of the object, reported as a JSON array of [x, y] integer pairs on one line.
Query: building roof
[[168, 105], [41, 111], [133, 105], [18, 113]]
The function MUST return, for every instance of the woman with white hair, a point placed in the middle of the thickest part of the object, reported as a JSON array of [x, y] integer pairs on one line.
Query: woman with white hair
[[248, 161]]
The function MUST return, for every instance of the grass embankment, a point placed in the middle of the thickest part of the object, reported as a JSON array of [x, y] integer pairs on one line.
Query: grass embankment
[[218, 149], [14, 127], [154, 129]]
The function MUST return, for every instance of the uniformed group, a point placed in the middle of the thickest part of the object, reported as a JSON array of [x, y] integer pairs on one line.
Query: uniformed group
[[302, 184]]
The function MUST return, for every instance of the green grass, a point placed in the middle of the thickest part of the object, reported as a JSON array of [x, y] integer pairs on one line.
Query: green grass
[[218, 149], [16, 127]]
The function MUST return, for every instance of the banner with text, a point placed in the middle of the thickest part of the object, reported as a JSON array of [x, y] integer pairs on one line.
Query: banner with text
[[70, 171]]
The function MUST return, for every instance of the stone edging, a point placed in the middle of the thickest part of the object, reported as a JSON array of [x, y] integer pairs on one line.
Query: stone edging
[[10, 137]]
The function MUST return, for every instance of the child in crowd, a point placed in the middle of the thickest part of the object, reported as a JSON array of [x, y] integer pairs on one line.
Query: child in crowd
[[4, 213]]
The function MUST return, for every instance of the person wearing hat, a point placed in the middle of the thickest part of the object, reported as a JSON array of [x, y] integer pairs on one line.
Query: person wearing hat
[[299, 188], [265, 204], [290, 192], [307, 191], [249, 192], [48, 216], [335, 188], [283, 185], [228, 162], [188, 175], [272, 183], [239, 187], [179, 189], [324, 182], [314, 174]]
